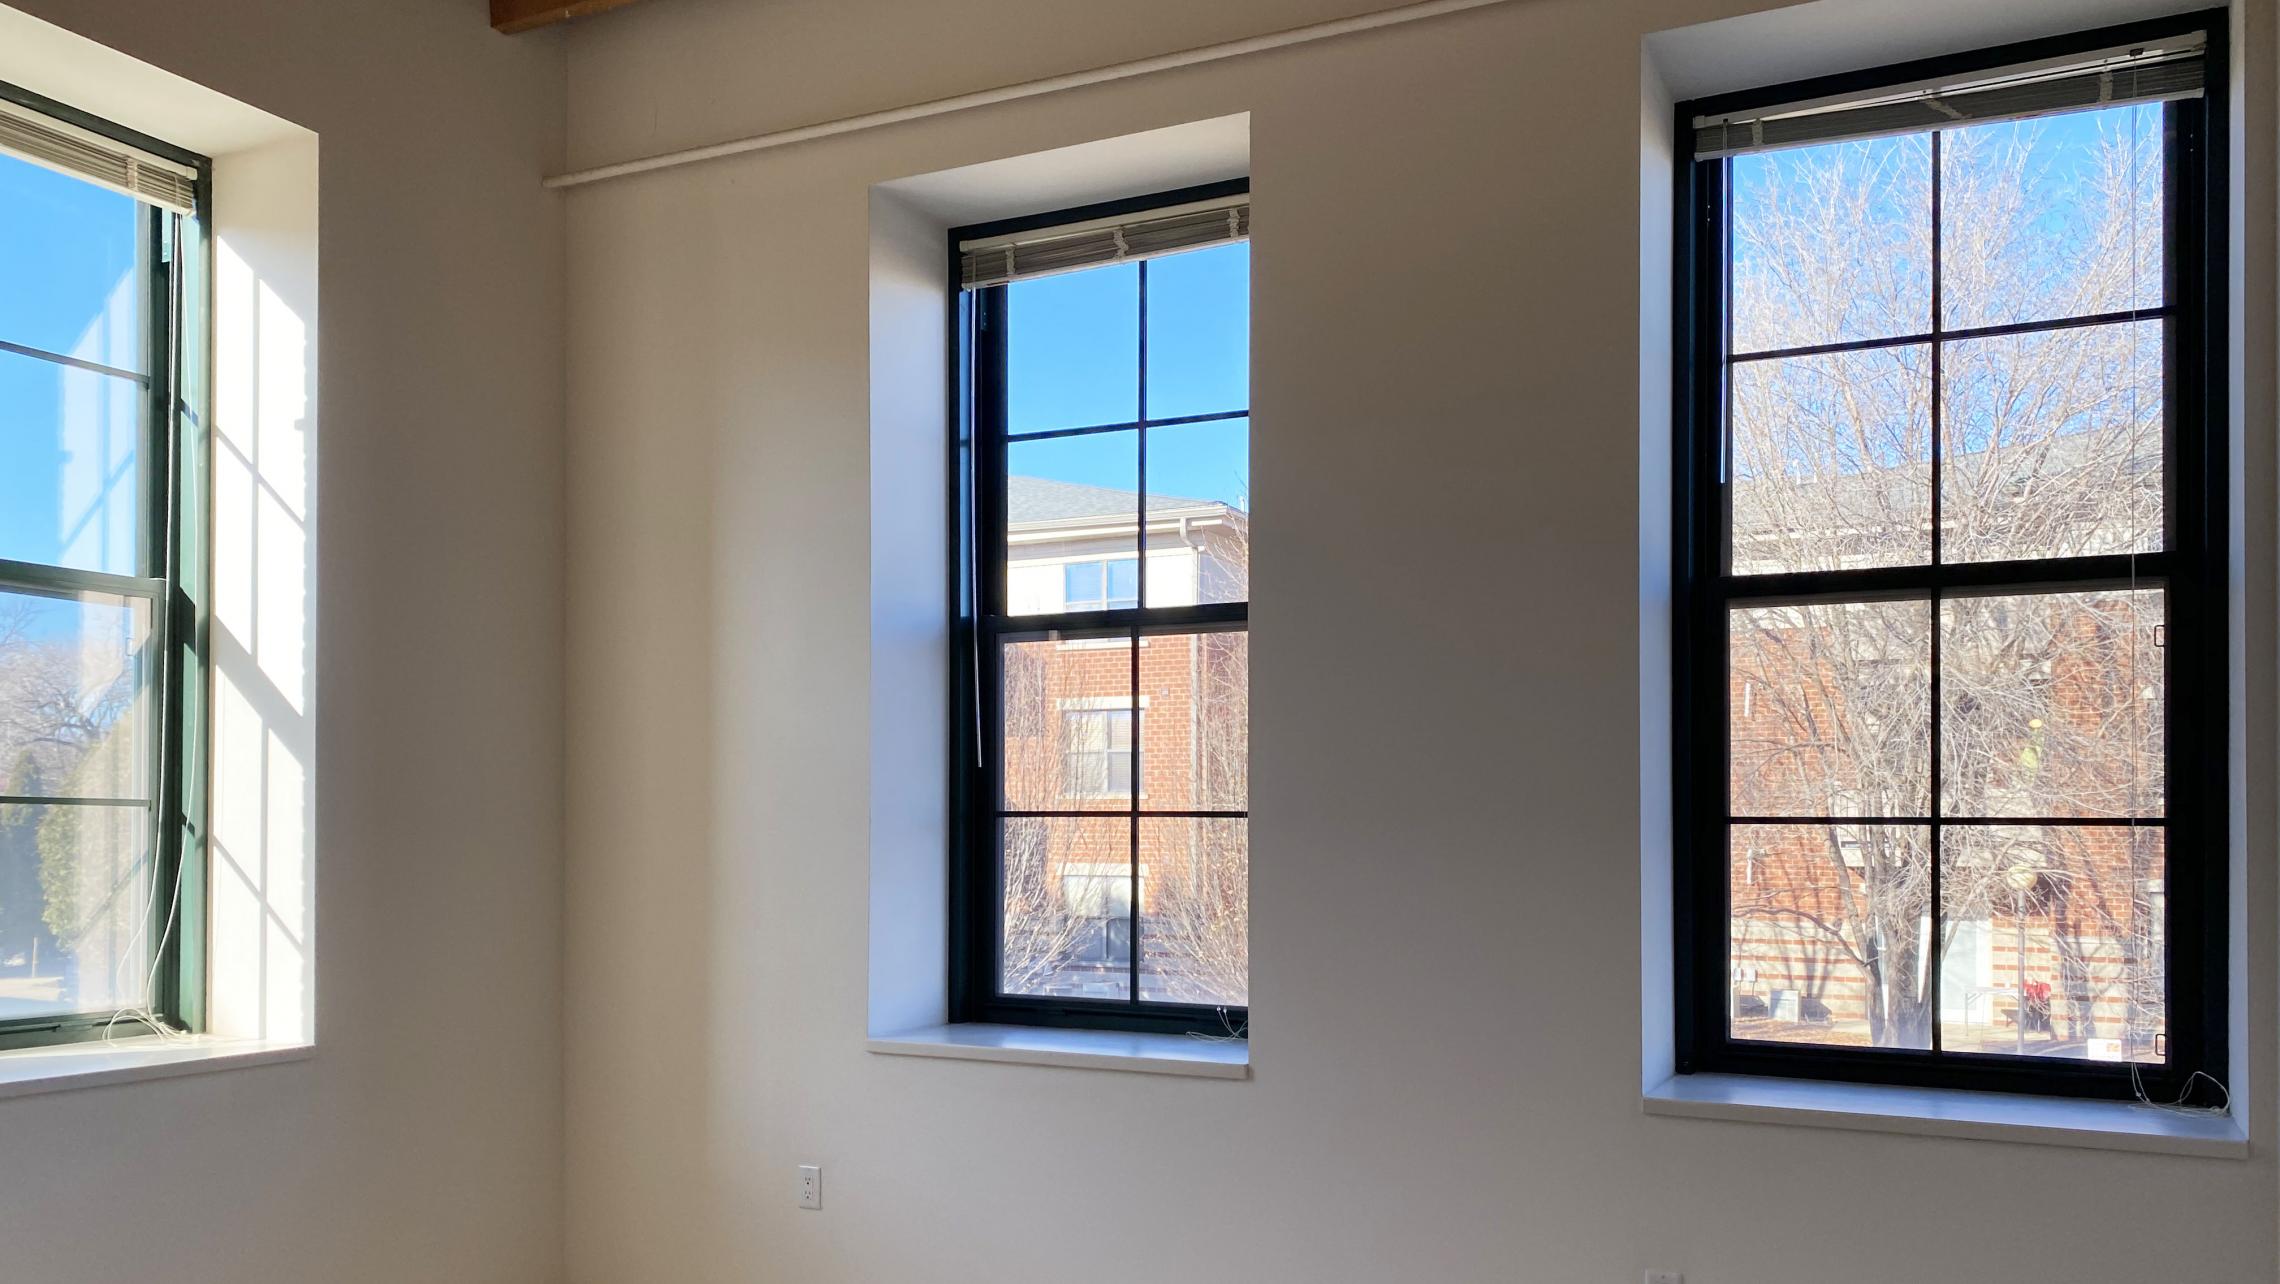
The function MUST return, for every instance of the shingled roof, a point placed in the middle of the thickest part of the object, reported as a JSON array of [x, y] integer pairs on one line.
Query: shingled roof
[[1041, 499]]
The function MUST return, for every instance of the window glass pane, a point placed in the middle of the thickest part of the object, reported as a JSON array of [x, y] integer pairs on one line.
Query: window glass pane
[[1067, 879], [1073, 349], [70, 466], [1110, 585], [1832, 243], [2052, 705], [1068, 725], [1199, 513], [1199, 332], [1123, 583], [75, 900], [1195, 936], [69, 282], [1832, 461], [2059, 216], [2052, 941], [1068, 500], [74, 706], [2052, 444], [1083, 582], [1196, 721], [1096, 753], [1831, 708], [1827, 940]]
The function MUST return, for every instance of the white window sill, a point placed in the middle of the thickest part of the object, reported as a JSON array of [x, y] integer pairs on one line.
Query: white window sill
[[25, 1071], [1078, 1049], [1935, 1112]]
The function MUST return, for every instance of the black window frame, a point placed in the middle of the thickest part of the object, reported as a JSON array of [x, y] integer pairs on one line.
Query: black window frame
[[172, 577], [2192, 567], [978, 340]]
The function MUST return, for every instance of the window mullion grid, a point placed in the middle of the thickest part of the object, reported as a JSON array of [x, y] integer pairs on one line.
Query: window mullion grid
[[1932, 582], [994, 628], [984, 833], [1116, 621], [2177, 232], [46, 580], [1951, 579], [1129, 425], [42, 580], [1170, 813], [153, 584], [2008, 329], [2186, 568], [165, 755], [1721, 537], [1936, 909], [76, 363], [1139, 766], [1715, 562]]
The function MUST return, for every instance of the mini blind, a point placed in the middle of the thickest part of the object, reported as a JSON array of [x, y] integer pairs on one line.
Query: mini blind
[[998, 259], [66, 148], [2141, 74]]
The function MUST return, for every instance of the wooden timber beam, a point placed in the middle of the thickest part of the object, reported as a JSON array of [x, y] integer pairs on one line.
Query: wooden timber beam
[[510, 16]]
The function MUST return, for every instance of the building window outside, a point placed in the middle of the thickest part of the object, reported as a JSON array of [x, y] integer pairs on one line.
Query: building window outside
[[1101, 896], [1097, 753], [1112, 585]]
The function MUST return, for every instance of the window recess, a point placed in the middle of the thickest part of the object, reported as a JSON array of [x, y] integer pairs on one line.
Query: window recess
[[1951, 647], [1101, 861], [102, 578]]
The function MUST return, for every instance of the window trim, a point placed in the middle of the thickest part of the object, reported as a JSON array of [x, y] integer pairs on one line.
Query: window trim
[[173, 579], [976, 353], [2193, 566]]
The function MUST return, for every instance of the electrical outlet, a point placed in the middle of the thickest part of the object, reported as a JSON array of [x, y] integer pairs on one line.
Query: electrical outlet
[[811, 1186], [1665, 1277]]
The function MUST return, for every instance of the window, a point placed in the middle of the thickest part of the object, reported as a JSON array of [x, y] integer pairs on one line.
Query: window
[[101, 624], [1112, 585], [1101, 896], [1951, 622], [1101, 875], [1096, 747]]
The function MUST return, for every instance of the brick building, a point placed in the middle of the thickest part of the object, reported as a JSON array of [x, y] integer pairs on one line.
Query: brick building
[[2048, 708], [1083, 725]]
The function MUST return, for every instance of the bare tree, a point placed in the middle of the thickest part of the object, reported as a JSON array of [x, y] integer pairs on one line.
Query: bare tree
[[1196, 917], [71, 727], [2050, 445], [1071, 899], [1042, 936]]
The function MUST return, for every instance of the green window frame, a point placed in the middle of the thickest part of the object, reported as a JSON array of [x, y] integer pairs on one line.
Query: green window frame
[[167, 593]]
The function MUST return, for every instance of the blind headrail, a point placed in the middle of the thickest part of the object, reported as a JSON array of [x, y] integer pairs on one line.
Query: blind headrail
[[2153, 72], [1070, 247], [43, 140]]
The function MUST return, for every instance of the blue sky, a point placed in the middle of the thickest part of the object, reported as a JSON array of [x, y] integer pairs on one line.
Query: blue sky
[[2002, 264], [1074, 361], [65, 246], [1893, 175]]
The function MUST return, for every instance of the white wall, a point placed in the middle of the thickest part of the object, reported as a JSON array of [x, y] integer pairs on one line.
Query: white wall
[[1448, 844], [422, 1139], [261, 942]]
